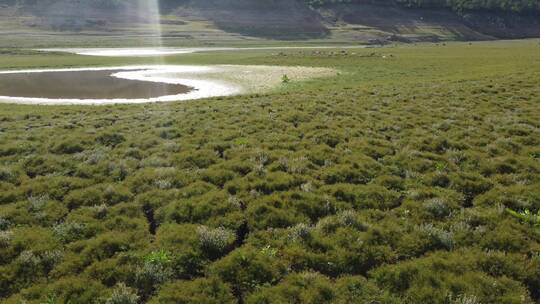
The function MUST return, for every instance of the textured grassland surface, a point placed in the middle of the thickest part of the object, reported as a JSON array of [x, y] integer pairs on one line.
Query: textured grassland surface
[[384, 184]]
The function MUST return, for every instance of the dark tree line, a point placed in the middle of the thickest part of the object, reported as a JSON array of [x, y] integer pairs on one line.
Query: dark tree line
[[515, 6]]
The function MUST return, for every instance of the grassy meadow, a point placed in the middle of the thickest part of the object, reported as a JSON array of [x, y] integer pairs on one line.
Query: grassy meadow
[[413, 176]]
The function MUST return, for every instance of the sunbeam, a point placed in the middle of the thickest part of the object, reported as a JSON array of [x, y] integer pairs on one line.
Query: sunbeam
[[148, 15]]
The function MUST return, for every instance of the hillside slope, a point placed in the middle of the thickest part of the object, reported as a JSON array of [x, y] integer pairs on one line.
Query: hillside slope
[[281, 19], [188, 22]]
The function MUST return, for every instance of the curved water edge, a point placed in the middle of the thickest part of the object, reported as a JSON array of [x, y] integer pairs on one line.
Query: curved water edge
[[203, 81], [167, 51]]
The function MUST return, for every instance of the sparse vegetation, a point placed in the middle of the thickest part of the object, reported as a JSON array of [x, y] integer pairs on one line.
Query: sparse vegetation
[[285, 79]]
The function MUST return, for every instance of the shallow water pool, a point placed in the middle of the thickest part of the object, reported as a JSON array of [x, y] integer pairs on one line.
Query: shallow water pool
[[83, 85]]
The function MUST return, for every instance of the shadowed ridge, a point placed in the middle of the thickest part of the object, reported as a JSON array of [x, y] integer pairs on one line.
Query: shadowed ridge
[[280, 19]]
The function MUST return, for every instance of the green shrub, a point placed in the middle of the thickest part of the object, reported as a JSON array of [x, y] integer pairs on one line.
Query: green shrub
[[70, 146], [438, 238], [68, 232], [322, 155], [213, 207], [248, 269], [56, 187], [113, 195], [503, 238], [303, 288], [108, 244], [110, 272], [152, 274], [110, 139], [270, 213], [85, 197], [4, 224], [8, 194], [357, 288], [156, 179], [197, 189], [32, 239], [197, 159], [438, 179], [42, 165], [275, 182], [434, 278], [9, 175], [15, 148], [189, 264], [97, 195], [199, 291], [173, 237], [68, 289], [346, 218], [516, 197], [294, 165], [169, 134], [30, 266], [329, 138], [218, 177], [347, 174], [437, 208], [364, 196], [470, 184], [215, 242], [123, 295], [299, 232], [5, 238], [391, 182]]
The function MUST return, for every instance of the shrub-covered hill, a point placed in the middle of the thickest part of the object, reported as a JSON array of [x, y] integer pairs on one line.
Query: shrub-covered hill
[[393, 182]]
